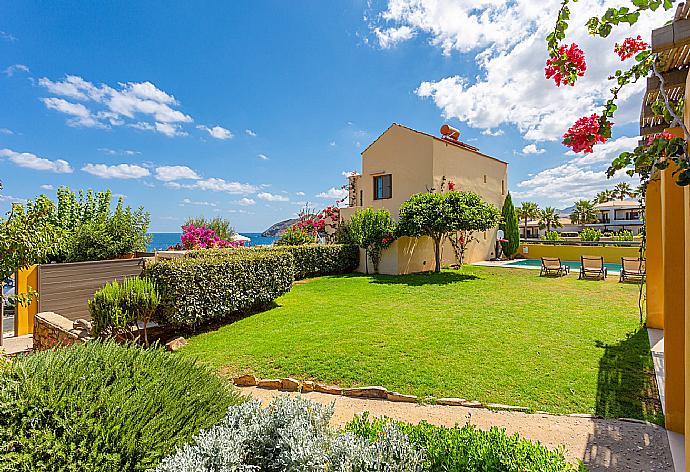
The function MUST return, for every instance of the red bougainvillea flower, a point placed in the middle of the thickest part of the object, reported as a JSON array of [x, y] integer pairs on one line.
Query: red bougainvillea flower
[[567, 66], [584, 134], [451, 185], [630, 47], [665, 135]]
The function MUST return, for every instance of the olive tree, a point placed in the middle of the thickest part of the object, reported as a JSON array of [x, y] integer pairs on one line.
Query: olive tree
[[372, 230]]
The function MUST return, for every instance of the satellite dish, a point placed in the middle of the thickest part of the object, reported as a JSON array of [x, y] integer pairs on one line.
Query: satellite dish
[[500, 234]]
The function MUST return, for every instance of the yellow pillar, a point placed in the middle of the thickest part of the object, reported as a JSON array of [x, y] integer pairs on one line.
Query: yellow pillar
[[687, 315], [24, 321], [673, 221], [654, 256]]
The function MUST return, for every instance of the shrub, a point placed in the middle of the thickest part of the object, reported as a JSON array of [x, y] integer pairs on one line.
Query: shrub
[[623, 235], [373, 231], [468, 448], [195, 290], [292, 434], [551, 236], [101, 406], [310, 260], [220, 226], [590, 234], [116, 307], [295, 236]]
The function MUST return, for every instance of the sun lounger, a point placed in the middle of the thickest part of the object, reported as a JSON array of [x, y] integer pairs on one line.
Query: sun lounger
[[632, 268], [592, 267], [553, 266]]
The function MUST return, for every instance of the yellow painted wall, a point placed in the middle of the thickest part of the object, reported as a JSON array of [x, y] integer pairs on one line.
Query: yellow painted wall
[[24, 321], [673, 219], [417, 163], [654, 256], [611, 254]]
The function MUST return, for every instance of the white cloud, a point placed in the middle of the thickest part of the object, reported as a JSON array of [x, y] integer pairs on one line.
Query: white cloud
[[187, 201], [490, 132], [6, 131], [333, 193], [389, 37], [300, 194], [250, 133], [170, 173], [32, 161], [263, 157], [270, 197], [119, 171], [220, 185], [47, 187], [332, 144], [506, 40], [532, 149], [14, 68], [577, 178], [217, 132], [113, 152], [104, 106], [11, 199], [246, 201], [80, 115]]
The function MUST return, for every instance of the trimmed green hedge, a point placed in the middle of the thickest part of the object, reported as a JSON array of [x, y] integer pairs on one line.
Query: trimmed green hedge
[[196, 290], [468, 448], [104, 407], [311, 260]]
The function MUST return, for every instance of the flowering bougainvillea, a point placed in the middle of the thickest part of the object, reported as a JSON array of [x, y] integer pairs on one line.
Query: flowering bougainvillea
[[664, 135], [585, 133], [201, 237], [629, 47], [451, 185], [567, 65], [330, 211]]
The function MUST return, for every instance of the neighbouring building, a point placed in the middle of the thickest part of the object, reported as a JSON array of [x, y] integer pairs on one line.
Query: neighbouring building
[[618, 215], [402, 162], [535, 232]]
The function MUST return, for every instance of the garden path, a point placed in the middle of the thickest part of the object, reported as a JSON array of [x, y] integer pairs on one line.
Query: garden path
[[603, 445]]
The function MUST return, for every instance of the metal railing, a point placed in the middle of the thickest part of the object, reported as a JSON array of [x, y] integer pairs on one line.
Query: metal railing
[[577, 242]]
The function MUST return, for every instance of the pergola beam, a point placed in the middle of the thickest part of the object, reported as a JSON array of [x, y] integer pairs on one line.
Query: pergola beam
[[675, 35]]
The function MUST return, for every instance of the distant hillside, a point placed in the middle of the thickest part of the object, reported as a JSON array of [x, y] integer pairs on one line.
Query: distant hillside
[[566, 211], [279, 228]]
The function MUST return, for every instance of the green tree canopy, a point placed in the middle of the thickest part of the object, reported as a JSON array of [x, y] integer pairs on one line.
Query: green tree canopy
[[437, 214], [584, 213], [527, 211], [510, 228], [549, 218], [372, 230]]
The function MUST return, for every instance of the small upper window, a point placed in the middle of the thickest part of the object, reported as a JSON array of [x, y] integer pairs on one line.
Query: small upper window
[[383, 186], [484, 178], [503, 187]]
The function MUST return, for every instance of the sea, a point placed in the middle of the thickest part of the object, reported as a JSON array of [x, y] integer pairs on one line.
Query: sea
[[161, 241]]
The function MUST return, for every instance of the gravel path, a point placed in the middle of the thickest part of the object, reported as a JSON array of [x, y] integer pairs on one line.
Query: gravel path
[[600, 444]]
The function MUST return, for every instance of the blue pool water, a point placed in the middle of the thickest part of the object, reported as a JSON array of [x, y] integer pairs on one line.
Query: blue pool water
[[574, 265], [165, 240]]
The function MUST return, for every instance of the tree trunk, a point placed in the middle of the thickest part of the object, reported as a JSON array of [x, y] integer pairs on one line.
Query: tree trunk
[[366, 261], [524, 235], [437, 255]]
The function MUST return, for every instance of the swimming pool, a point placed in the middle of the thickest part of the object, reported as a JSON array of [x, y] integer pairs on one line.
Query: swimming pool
[[574, 265]]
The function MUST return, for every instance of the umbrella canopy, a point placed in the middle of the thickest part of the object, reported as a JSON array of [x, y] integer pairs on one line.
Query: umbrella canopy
[[239, 237]]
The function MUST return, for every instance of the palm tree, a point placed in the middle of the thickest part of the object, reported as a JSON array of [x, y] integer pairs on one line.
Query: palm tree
[[527, 211], [548, 218], [583, 213], [623, 190], [604, 197]]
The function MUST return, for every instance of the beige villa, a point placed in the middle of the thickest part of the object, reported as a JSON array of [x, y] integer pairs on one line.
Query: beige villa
[[402, 162]]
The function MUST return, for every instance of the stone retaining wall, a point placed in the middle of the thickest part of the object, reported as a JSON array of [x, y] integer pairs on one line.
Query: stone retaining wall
[[51, 329]]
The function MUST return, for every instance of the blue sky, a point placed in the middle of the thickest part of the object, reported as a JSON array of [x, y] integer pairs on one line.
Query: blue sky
[[249, 109]]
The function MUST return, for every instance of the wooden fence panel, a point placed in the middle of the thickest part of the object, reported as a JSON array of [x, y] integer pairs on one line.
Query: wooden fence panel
[[66, 288]]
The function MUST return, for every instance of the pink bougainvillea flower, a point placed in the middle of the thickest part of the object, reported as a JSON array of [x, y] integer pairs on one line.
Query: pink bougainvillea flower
[[629, 47], [584, 134], [664, 135], [567, 66]]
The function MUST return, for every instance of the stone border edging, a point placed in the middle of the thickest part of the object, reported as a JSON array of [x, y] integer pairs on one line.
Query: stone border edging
[[289, 384]]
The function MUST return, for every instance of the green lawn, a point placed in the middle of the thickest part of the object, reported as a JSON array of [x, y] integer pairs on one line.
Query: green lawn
[[493, 335]]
